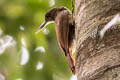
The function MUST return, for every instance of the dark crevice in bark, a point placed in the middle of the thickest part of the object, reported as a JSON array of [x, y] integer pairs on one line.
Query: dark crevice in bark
[[105, 71]]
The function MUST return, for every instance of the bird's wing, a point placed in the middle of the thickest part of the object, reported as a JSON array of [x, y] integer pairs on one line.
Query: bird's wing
[[62, 29]]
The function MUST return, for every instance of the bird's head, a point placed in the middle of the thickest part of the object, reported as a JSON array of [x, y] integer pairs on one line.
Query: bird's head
[[50, 16]]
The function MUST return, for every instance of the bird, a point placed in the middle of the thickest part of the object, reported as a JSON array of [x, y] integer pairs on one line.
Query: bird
[[65, 31]]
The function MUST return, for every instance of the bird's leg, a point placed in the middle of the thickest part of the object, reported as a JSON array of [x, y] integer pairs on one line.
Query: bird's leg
[[71, 62], [72, 7]]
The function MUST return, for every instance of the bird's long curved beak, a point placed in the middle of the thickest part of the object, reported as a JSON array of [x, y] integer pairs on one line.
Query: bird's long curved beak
[[41, 27]]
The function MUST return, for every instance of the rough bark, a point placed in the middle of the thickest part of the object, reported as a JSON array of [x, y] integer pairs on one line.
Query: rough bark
[[97, 59]]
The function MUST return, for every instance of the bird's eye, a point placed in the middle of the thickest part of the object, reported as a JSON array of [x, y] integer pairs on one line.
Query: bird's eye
[[47, 16]]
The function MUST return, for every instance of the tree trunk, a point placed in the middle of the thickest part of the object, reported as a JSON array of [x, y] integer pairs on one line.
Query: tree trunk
[[97, 59]]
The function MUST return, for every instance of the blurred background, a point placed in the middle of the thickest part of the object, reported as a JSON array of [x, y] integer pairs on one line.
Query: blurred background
[[25, 55]]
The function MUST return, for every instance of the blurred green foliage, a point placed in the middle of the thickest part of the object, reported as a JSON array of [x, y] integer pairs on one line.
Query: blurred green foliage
[[29, 14]]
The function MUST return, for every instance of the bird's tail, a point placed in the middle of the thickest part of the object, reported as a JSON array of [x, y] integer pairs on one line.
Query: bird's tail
[[71, 63], [70, 60]]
